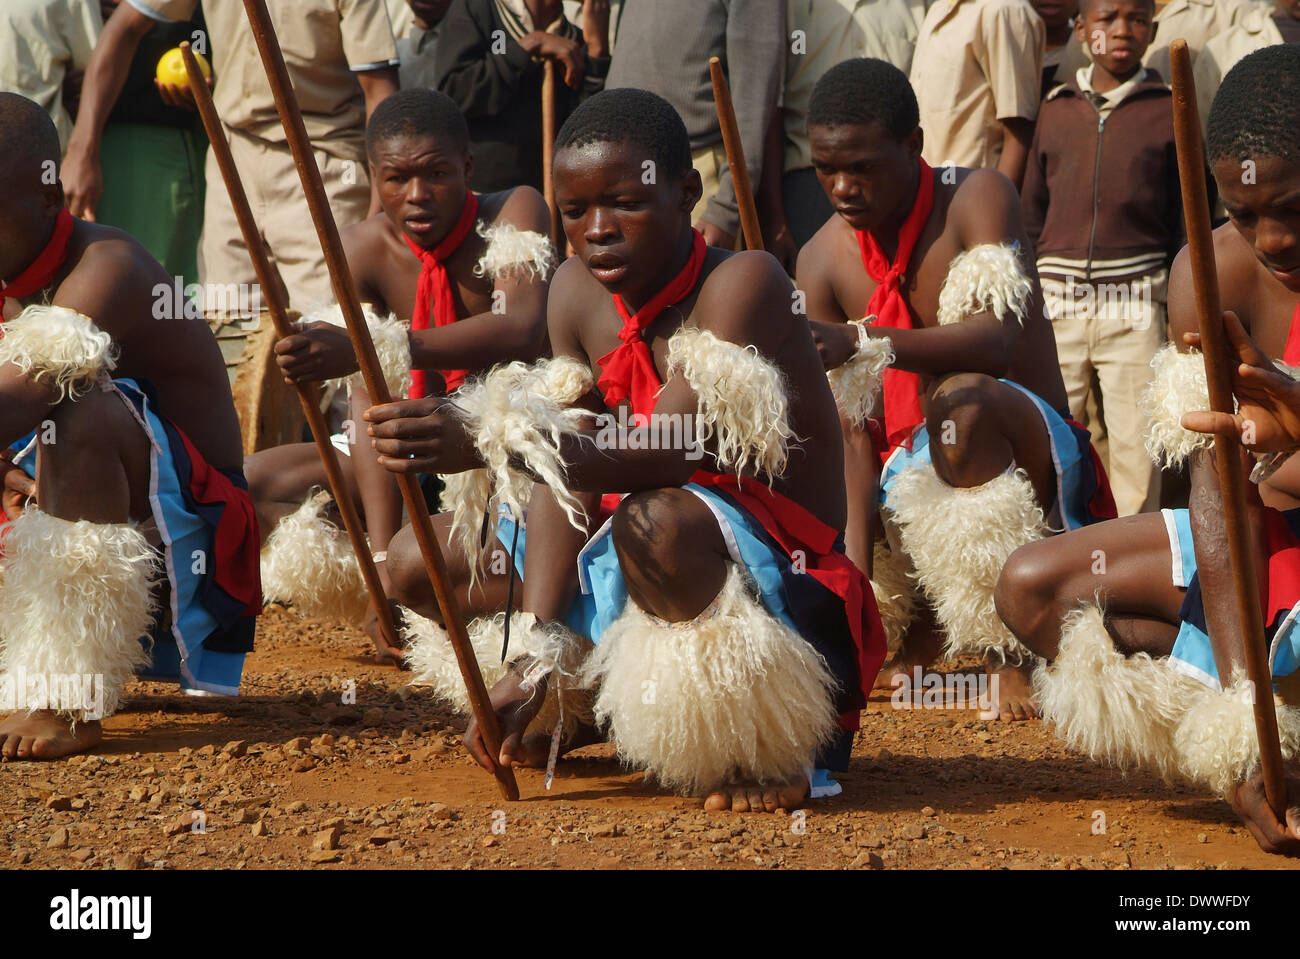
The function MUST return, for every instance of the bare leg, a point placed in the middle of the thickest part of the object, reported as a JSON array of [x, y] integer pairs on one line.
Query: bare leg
[[1122, 564], [861, 472], [96, 468], [280, 478]]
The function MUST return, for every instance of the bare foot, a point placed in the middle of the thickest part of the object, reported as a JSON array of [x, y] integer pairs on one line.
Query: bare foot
[[515, 708], [747, 798], [920, 647], [385, 655], [1013, 691], [43, 735]]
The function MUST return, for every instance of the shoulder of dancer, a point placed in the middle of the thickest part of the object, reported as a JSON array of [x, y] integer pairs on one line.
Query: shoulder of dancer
[[746, 298], [521, 207], [113, 281]]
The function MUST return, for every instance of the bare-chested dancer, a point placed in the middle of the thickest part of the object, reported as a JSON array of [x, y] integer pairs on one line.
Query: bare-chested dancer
[[1138, 615], [141, 523], [472, 271], [733, 638], [933, 269]]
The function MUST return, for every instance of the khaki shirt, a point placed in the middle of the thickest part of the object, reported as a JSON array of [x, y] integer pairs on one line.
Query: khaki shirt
[[324, 43], [1196, 21], [977, 62], [834, 31], [40, 42], [1253, 31]]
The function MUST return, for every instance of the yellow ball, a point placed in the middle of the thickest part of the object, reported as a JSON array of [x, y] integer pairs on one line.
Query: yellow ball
[[171, 68]]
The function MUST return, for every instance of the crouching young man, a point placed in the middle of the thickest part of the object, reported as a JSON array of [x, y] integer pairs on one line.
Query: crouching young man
[[141, 524], [733, 639], [1138, 616]]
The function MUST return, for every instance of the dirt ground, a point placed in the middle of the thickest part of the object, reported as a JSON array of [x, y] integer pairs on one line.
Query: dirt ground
[[291, 776]]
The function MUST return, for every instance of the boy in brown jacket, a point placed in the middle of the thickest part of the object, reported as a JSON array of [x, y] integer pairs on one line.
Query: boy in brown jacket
[[1101, 204]]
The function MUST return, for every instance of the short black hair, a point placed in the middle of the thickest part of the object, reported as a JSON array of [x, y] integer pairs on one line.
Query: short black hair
[[863, 91], [1256, 111], [1083, 6], [28, 139], [417, 111], [628, 115]]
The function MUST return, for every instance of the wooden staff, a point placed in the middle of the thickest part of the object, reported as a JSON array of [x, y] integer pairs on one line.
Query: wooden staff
[[286, 103], [548, 149], [735, 156], [1219, 363], [279, 318]]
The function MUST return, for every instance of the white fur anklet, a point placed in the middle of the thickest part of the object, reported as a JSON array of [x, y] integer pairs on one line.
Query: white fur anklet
[[958, 541], [1118, 710], [76, 601], [549, 650], [514, 252], [392, 345], [985, 279], [1177, 386], [309, 564], [742, 398], [856, 383], [738, 696], [521, 411], [1215, 739], [896, 593], [59, 346]]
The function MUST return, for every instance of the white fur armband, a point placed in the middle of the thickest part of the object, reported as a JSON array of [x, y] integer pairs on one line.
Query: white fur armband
[[518, 410], [856, 383], [392, 345], [742, 397], [511, 251], [985, 279], [58, 345], [1177, 386], [1216, 742]]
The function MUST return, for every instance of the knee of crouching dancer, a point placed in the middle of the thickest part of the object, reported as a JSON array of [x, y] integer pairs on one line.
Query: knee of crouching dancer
[[648, 533], [1025, 595], [408, 579], [957, 410]]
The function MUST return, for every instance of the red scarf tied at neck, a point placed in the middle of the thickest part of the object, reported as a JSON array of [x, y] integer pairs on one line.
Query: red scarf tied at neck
[[901, 388], [628, 371], [41, 271], [434, 291]]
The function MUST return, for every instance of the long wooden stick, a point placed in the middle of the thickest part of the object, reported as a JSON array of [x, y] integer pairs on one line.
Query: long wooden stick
[[286, 103], [735, 156], [1219, 364], [279, 318], [548, 149]]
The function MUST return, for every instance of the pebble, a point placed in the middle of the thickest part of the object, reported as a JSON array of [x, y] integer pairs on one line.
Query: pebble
[[297, 746], [296, 807], [442, 811], [259, 828], [180, 824], [306, 764], [381, 836], [138, 793], [235, 748], [81, 855], [327, 838], [58, 839], [323, 855], [128, 860], [928, 811], [913, 831], [59, 803], [609, 829]]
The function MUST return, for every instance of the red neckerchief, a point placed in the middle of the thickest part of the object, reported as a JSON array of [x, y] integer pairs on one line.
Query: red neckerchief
[[628, 371], [434, 290], [799, 532], [1291, 354], [41, 271], [901, 388]]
